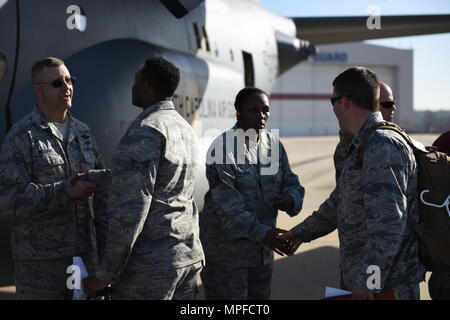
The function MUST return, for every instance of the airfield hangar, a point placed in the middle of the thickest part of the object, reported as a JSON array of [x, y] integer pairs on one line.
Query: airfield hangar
[[300, 99]]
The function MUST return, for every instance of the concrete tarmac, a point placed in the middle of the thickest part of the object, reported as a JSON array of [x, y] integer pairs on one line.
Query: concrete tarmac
[[315, 265]]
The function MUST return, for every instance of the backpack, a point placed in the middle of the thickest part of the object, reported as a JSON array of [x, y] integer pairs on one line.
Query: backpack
[[433, 186]]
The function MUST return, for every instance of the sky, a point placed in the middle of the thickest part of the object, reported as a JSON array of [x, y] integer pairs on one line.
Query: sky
[[431, 52]]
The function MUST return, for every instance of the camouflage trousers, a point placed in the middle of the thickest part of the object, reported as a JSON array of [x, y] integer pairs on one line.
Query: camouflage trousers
[[233, 283], [158, 284], [42, 279]]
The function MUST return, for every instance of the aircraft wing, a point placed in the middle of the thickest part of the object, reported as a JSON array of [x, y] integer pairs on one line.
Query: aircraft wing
[[325, 30]]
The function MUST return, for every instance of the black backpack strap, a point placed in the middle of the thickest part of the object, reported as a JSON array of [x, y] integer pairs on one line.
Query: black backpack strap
[[381, 125], [364, 139]]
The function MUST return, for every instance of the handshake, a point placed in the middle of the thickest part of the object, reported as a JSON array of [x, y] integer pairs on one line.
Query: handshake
[[282, 241], [83, 185], [79, 187]]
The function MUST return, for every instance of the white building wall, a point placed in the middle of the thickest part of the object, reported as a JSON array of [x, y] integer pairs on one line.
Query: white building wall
[[300, 99]]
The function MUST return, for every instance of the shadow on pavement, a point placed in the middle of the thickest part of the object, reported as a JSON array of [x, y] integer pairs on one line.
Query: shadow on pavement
[[303, 276]]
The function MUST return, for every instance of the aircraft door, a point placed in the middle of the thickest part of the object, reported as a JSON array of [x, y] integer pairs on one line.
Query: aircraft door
[[249, 71]]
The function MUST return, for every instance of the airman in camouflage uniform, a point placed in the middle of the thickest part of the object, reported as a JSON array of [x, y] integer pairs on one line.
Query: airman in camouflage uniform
[[345, 138], [372, 201], [387, 104], [239, 217], [153, 249], [51, 218]]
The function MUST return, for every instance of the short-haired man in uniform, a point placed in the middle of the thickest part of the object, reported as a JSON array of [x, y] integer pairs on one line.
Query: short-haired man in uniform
[[153, 249], [372, 200], [41, 160], [387, 108]]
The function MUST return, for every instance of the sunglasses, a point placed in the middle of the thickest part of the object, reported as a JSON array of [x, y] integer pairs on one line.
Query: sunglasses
[[59, 82], [387, 104], [334, 99]]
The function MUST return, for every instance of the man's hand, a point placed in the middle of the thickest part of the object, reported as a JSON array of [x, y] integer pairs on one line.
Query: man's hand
[[92, 285], [361, 295], [272, 240], [79, 189], [290, 243], [283, 202], [77, 176]]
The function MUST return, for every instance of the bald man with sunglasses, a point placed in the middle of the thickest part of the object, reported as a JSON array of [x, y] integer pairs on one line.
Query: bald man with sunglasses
[[42, 185], [387, 102]]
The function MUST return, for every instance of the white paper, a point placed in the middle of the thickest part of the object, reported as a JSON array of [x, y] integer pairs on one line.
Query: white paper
[[78, 294], [334, 292]]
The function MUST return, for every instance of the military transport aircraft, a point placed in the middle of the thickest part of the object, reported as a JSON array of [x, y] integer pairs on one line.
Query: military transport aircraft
[[220, 46]]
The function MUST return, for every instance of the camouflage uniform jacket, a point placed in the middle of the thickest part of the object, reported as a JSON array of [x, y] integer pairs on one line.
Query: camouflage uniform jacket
[[152, 216], [345, 139], [238, 208], [369, 207], [35, 167]]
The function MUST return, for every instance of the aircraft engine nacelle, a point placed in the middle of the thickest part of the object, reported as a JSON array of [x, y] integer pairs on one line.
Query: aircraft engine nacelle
[[292, 50]]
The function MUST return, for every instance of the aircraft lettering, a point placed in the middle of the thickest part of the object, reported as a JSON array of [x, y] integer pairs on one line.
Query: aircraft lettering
[[211, 109], [330, 56], [177, 104], [222, 109], [187, 107], [197, 102], [231, 111]]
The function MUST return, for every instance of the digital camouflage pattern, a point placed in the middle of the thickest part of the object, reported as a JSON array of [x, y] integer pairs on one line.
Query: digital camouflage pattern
[[369, 208], [225, 282], [153, 220], [238, 210], [34, 170], [42, 279], [345, 139], [158, 284], [238, 213]]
